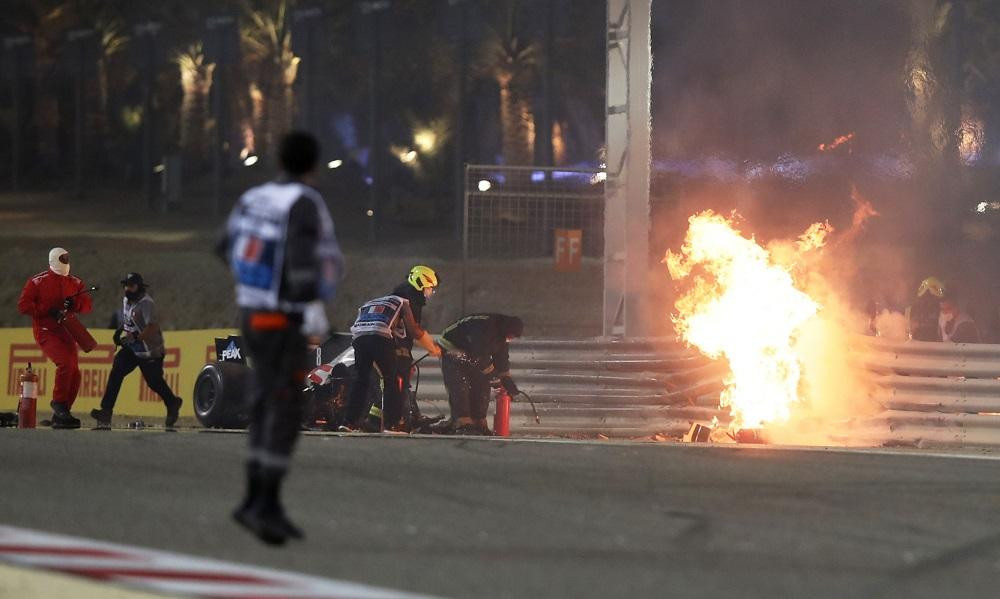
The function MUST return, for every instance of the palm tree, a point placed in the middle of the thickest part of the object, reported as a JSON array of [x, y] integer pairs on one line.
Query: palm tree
[[511, 61], [111, 41], [267, 45], [196, 83]]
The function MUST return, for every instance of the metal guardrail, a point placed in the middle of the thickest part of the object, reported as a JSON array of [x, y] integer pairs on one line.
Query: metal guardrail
[[600, 386], [932, 394]]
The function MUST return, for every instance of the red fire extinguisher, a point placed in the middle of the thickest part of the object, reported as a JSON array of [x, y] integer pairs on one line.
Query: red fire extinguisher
[[501, 420], [28, 402]]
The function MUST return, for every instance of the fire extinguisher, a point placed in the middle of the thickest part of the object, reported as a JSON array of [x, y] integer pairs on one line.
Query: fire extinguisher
[[28, 403], [501, 420]]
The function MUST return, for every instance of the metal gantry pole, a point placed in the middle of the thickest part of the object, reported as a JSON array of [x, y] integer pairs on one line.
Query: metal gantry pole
[[626, 210]]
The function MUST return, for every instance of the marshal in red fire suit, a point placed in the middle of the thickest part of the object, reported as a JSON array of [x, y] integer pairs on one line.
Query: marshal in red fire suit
[[43, 295]]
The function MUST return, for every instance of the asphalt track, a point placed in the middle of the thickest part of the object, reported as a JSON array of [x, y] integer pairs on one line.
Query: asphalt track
[[493, 518]]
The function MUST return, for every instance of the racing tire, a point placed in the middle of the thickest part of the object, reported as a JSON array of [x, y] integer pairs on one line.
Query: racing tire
[[220, 395]]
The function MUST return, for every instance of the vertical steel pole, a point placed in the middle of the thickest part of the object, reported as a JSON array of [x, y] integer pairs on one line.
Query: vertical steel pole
[[626, 213]]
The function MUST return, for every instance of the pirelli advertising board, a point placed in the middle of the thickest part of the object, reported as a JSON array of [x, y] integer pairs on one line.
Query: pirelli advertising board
[[186, 353]]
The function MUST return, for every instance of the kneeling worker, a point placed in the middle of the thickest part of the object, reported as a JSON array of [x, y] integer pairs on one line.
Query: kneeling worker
[[477, 349], [141, 344], [381, 325]]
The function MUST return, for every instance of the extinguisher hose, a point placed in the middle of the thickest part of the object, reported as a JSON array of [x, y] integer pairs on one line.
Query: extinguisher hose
[[87, 290], [528, 397], [416, 383]]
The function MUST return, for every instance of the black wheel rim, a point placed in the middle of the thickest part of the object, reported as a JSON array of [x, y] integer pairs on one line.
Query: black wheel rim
[[204, 396]]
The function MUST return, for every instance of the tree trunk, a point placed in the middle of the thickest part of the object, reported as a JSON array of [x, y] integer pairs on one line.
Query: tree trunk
[[517, 123]]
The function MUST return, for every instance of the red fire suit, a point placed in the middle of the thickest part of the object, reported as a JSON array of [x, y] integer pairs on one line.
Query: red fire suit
[[43, 293]]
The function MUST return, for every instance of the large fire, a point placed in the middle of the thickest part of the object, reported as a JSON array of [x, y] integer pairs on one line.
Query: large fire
[[741, 303]]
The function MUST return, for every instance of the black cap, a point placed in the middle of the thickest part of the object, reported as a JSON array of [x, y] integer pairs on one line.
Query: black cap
[[133, 277], [512, 326]]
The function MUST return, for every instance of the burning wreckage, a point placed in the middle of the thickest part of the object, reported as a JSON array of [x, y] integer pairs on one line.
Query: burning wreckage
[[770, 314]]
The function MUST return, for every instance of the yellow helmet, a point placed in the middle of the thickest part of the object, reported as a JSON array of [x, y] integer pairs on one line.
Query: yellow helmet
[[932, 285], [422, 277]]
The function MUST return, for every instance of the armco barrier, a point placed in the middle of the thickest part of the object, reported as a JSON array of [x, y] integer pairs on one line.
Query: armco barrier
[[934, 394], [603, 386]]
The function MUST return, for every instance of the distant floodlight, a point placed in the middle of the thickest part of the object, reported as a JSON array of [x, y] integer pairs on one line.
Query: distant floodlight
[[335, 163], [408, 157], [484, 185], [250, 161], [425, 139], [982, 207], [159, 168]]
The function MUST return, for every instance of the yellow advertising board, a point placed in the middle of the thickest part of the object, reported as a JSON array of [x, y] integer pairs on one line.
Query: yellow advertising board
[[186, 353]]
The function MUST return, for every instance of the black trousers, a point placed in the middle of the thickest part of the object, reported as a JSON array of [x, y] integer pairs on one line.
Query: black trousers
[[372, 351], [468, 388], [125, 362], [280, 364]]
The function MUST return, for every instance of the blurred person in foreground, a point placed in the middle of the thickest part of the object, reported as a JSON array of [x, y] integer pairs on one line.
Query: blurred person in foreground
[[924, 313], [476, 355], [141, 342], [282, 250], [956, 325], [47, 297]]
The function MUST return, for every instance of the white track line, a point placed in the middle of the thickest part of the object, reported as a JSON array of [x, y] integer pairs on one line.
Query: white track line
[[173, 573]]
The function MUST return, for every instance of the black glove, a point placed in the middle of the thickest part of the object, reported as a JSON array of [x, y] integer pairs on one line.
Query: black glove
[[508, 384], [117, 337], [56, 314], [68, 303], [495, 383]]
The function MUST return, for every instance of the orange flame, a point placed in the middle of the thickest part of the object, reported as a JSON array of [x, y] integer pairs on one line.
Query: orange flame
[[836, 143], [863, 209], [741, 303]]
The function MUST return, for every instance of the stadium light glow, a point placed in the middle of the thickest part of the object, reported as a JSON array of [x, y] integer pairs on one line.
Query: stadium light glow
[[426, 140]]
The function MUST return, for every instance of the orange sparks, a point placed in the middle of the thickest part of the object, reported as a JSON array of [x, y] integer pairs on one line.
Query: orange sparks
[[843, 139], [863, 209]]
